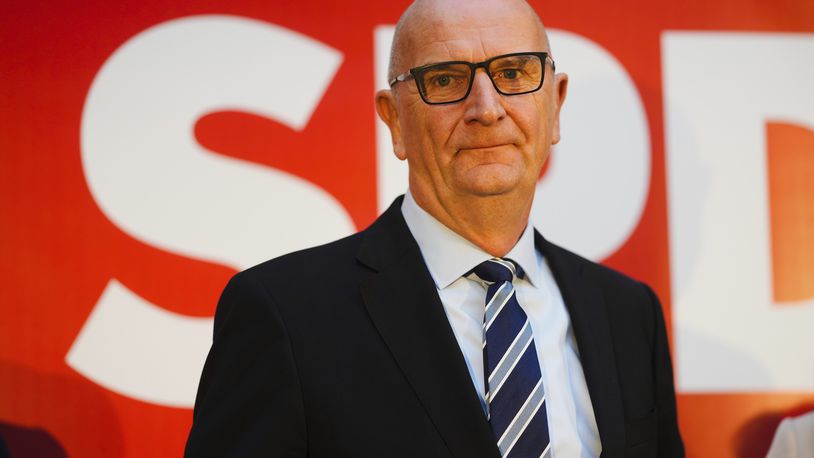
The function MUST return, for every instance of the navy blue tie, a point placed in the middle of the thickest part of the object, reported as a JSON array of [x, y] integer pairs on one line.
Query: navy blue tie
[[514, 386]]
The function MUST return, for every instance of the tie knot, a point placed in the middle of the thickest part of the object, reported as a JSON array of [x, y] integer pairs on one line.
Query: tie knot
[[497, 270]]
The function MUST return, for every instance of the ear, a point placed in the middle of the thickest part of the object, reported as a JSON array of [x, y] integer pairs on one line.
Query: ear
[[560, 89], [386, 108]]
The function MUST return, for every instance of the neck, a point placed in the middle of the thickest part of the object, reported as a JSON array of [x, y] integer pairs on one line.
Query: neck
[[493, 223]]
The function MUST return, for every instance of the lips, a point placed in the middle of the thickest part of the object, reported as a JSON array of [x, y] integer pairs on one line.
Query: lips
[[473, 147]]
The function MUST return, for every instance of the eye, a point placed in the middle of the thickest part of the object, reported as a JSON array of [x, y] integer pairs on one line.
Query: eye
[[510, 74], [443, 80]]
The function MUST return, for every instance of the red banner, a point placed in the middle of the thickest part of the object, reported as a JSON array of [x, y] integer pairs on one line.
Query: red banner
[[130, 129]]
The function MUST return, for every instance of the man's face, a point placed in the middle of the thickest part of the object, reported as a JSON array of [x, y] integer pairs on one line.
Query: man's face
[[488, 144]]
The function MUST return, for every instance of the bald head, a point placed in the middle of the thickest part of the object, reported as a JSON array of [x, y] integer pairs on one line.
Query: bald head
[[428, 17]]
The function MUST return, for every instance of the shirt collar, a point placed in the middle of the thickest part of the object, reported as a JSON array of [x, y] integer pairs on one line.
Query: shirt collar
[[449, 256]]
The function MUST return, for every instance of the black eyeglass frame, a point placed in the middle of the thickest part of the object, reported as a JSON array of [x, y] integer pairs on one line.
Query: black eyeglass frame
[[417, 73]]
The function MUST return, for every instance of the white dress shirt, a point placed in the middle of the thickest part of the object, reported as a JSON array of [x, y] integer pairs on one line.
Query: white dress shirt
[[571, 421]]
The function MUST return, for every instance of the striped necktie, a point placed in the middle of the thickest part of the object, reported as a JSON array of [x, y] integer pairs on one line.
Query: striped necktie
[[514, 385]]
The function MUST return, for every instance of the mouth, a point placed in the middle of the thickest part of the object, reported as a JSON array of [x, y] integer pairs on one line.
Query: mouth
[[484, 147]]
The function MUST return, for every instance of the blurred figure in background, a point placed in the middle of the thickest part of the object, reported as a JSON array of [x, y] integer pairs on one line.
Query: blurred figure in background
[[794, 438]]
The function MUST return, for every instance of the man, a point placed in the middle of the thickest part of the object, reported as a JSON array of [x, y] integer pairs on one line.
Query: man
[[449, 327]]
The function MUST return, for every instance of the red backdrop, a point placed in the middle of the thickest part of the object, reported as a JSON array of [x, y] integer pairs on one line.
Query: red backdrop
[[59, 250]]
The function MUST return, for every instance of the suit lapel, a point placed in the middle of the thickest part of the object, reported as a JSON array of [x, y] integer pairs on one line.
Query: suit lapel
[[589, 318], [404, 305]]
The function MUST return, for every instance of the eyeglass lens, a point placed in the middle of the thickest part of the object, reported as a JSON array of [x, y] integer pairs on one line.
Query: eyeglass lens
[[511, 75]]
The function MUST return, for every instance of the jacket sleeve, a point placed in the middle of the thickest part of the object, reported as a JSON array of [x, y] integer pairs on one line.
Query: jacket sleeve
[[669, 438], [249, 401]]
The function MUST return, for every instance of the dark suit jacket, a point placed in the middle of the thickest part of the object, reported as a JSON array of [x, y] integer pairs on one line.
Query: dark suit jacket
[[344, 350]]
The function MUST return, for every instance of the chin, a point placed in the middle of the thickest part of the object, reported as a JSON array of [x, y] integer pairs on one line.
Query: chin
[[489, 189], [489, 184]]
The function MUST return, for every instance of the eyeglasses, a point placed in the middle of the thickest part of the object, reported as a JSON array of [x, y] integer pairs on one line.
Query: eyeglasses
[[450, 82]]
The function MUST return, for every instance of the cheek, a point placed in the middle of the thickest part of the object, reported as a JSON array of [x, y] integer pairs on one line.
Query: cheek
[[420, 134], [536, 120], [412, 128], [536, 129], [435, 136]]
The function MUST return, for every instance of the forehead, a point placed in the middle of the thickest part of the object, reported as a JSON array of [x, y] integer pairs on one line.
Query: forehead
[[473, 35]]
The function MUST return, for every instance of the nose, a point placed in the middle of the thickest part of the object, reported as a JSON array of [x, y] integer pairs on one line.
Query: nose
[[484, 104]]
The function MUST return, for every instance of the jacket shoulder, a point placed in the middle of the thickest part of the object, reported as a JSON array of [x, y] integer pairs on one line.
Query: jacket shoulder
[[606, 276], [310, 263], [625, 297]]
